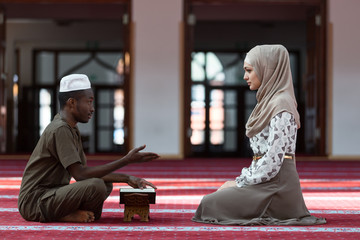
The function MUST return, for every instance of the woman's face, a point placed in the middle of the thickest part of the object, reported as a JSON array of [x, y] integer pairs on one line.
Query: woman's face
[[250, 77]]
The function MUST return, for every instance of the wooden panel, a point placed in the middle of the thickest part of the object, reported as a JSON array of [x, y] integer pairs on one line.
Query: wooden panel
[[64, 1], [270, 2], [189, 47], [73, 11], [2, 83], [315, 84]]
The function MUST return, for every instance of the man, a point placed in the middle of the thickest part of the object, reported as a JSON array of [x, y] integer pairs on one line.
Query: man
[[46, 194]]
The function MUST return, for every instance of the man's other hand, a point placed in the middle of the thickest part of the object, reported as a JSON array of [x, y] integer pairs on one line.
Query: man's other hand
[[135, 156]]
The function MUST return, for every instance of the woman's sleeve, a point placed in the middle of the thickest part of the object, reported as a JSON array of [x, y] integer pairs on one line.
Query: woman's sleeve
[[282, 134]]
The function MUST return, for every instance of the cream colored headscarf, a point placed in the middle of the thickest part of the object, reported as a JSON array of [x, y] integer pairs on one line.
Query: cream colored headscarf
[[276, 93]]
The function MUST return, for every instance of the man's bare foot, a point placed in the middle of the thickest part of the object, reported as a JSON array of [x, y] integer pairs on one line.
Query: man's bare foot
[[79, 216]]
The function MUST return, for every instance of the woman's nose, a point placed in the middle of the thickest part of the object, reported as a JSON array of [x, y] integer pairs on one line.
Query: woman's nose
[[245, 76]]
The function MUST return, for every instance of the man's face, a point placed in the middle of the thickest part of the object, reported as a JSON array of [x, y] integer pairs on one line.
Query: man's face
[[84, 107]]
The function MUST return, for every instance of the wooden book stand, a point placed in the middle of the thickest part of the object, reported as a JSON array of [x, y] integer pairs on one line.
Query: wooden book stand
[[138, 202]]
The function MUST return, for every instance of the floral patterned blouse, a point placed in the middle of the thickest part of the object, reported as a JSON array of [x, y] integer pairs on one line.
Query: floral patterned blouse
[[273, 142]]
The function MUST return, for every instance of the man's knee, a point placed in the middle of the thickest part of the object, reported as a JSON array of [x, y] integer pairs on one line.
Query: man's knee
[[98, 186], [95, 184], [109, 187]]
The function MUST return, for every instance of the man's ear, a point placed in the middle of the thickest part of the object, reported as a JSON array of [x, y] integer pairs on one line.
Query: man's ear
[[71, 102]]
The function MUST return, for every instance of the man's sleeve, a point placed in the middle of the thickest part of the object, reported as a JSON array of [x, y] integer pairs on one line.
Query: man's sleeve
[[66, 149]]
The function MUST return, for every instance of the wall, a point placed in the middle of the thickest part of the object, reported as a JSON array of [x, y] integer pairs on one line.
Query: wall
[[157, 79], [344, 78]]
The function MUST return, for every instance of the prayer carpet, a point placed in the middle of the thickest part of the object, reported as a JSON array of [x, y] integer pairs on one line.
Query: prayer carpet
[[331, 189]]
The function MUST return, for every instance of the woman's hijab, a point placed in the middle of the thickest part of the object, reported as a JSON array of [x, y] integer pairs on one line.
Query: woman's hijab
[[276, 93]]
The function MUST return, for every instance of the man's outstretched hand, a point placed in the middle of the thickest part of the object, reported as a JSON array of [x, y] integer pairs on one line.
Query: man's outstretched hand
[[135, 156], [141, 183]]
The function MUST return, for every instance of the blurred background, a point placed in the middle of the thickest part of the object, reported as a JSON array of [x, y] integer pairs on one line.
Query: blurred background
[[169, 73]]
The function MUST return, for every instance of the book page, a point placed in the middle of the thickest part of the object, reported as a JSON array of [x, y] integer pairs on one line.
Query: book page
[[137, 190]]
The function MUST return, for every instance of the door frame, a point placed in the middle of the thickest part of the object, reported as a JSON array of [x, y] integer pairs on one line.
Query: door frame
[[3, 128], [319, 67], [8, 108]]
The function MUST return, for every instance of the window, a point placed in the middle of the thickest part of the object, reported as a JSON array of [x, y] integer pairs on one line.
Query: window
[[105, 69]]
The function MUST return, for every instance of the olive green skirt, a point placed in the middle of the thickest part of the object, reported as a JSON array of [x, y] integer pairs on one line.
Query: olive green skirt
[[277, 202]]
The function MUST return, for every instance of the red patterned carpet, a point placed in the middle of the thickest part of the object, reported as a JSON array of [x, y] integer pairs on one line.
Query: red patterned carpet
[[331, 190]]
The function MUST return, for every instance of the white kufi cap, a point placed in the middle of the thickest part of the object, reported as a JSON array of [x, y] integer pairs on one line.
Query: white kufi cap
[[74, 82]]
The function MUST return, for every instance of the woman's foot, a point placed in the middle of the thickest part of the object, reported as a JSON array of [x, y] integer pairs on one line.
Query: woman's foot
[[79, 216]]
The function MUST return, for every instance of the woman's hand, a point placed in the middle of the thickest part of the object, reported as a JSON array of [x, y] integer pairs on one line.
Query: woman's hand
[[135, 156], [141, 183], [227, 185]]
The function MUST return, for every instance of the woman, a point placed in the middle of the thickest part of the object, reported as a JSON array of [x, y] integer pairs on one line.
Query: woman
[[268, 192]]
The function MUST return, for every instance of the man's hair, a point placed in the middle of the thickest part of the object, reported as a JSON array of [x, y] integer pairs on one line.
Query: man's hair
[[64, 96]]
